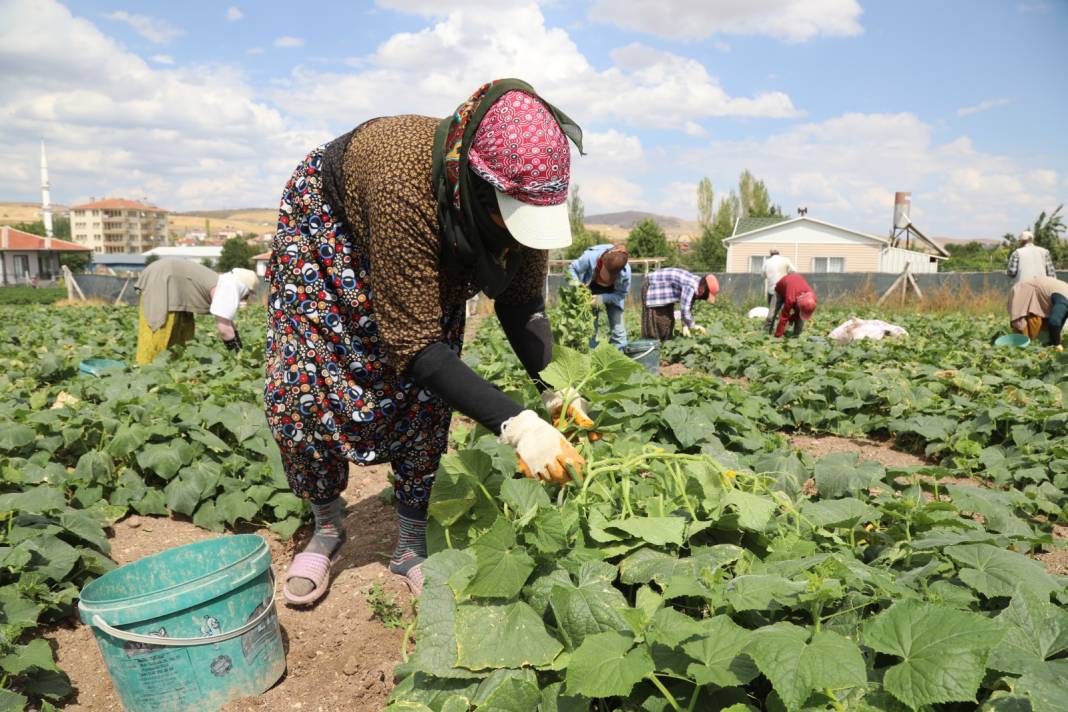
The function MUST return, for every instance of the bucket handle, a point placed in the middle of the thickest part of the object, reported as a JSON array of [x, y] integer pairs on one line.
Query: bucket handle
[[643, 355], [181, 642]]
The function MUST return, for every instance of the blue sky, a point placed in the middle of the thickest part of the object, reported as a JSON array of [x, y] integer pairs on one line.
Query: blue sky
[[836, 104]]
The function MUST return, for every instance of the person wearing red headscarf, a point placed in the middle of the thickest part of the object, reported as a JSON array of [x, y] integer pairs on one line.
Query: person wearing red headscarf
[[795, 301], [383, 234]]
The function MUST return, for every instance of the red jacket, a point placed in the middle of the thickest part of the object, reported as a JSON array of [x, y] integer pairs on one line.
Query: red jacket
[[790, 288]]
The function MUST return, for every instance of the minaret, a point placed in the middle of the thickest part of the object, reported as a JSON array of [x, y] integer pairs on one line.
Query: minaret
[[46, 206]]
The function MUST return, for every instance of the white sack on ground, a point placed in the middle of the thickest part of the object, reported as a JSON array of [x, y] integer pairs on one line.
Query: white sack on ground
[[859, 329], [758, 313]]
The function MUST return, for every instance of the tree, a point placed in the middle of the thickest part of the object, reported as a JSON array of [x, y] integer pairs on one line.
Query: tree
[[75, 261], [582, 241], [60, 228], [150, 259], [581, 238], [1047, 231], [704, 202], [236, 252], [976, 257], [754, 197], [576, 212], [647, 239]]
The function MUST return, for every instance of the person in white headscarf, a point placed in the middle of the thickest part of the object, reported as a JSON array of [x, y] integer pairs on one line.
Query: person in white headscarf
[[173, 290]]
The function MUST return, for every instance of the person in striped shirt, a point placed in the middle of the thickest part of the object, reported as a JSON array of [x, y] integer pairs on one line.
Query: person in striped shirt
[[664, 289]]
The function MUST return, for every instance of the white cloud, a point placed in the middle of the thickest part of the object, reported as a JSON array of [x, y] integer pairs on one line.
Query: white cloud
[[152, 29], [287, 42], [233, 14], [791, 20], [162, 59], [184, 137], [644, 87], [846, 169], [254, 50], [982, 106]]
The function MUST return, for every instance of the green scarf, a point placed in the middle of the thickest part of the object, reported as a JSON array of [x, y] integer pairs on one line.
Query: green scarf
[[466, 246]]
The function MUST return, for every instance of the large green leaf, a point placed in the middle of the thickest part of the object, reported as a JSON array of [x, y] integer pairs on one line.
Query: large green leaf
[[943, 651], [503, 568], [34, 654], [717, 650], [36, 500], [14, 436], [502, 636], [1036, 631], [798, 664], [1046, 686], [843, 473], [998, 572], [655, 530], [754, 511], [607, 665], [594, 606]]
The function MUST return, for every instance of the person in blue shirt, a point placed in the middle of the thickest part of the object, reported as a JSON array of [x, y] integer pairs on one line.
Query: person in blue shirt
[[604, 269]]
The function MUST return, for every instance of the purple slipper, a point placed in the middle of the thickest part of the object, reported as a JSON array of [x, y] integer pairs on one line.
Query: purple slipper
[[315, 568]]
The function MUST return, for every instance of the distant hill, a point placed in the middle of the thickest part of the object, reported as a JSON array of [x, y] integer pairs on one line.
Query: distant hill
[[630, 218], [222, 214]]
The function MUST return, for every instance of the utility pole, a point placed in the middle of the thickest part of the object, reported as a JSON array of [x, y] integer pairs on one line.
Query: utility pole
[[46, 205]]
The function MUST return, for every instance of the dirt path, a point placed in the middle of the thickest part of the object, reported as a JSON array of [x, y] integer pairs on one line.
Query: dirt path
[[338, 656], [881, 452]]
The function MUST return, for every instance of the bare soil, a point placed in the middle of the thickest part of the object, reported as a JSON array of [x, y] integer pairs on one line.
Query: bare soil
[[1056, 561], [881, 452], [339, 657]]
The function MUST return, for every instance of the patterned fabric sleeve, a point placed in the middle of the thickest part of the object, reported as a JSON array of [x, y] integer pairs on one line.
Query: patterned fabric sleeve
[[1014, 264], [1051, 270], [529, 282]]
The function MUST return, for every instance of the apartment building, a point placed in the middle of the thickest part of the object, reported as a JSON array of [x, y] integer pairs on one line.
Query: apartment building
[[116, 225]]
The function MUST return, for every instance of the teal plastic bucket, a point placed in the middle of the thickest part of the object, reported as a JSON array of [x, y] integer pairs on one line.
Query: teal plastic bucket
[[646, 352], [97, 366], [190, 628], [1019, 340]]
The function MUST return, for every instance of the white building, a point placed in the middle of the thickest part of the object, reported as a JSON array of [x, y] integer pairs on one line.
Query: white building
[[815, 246], [26, 258], [117, 226], [195, 253]]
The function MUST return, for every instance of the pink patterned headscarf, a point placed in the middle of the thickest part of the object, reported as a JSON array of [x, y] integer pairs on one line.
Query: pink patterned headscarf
[[520, 150]]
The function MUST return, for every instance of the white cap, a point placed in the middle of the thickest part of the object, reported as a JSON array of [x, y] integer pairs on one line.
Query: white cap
[[543, 227], [1026, 236]]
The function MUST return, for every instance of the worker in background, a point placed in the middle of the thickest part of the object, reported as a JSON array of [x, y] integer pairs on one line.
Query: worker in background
[[1036, 303], [173, 290], [665, 288], [604, 269], [775, 268], [1029, 260], [795, 301]]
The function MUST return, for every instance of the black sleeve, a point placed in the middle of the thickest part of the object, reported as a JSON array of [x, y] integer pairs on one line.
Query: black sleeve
[[530, 335], [439, 369]]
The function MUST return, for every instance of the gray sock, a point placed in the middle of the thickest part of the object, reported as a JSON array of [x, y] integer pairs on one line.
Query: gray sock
[[328, 537], [411, 544]]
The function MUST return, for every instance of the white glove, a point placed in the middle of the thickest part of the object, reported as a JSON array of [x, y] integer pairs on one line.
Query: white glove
[[543, 452], [576, 409]]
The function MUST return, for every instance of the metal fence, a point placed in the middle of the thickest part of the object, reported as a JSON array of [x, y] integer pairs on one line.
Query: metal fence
[[743, 288], [740, 288]]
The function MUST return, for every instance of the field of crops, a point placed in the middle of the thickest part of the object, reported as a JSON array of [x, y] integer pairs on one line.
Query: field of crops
[[701, 564]]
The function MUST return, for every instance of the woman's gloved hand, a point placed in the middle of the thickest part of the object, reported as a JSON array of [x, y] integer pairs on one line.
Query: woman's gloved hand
[[576, 408], [543, 451], [234, 344], [686, 330]]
